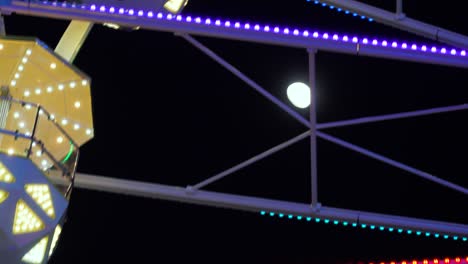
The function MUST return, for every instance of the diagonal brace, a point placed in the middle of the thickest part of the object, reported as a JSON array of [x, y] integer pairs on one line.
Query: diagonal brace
[[250, 161], [392, 162], [246, 79], [370, 119]]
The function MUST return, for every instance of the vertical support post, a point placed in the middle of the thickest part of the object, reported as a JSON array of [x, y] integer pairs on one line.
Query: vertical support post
[[33, 132], [313, 136], [73, 173], [2, 26], [399, 9]]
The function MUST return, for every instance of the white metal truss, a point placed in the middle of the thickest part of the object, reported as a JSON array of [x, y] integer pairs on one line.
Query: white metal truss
[[255, 204], [401, 21], [186, 27]]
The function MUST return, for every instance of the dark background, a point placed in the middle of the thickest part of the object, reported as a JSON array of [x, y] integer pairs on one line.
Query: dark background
[[166, 113]]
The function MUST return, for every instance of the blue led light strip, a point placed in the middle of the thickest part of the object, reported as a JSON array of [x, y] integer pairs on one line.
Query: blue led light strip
[[366, 226], [333, 39], [340, 10]]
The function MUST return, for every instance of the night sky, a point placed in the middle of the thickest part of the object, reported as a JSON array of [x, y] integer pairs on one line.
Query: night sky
[[166, 113]]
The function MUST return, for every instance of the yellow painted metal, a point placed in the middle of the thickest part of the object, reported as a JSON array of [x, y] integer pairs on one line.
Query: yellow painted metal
[[34, 73], [73, 39]]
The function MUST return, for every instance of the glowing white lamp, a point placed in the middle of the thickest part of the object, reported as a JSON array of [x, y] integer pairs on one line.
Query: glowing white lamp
[[175, 6], [299, 94]]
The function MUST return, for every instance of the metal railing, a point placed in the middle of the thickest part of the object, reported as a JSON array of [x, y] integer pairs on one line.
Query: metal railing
[[30, 131]]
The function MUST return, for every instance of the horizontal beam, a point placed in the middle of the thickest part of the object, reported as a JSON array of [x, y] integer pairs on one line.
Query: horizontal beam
[[250, 32], [393, 163], [400, 21], [372, 119], [254, 204]]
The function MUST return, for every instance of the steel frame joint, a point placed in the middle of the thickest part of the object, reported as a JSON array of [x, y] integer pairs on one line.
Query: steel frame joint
[[399, 10], [190, 190], [316, 207]]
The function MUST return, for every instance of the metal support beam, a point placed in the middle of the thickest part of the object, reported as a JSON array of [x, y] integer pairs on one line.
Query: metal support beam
[[253, 204], [250, 32], [73, 38], [252, 160], [399, 9], [371, 119], [246, 79], [313, 136], [393, 163], [2, 26], [403, 23], [185, 25]]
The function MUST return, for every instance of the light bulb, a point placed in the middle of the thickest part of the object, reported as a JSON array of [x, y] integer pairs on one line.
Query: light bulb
[[11, 151]]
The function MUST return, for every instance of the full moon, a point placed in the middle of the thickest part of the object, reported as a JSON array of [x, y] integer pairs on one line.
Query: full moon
[[299, 94]]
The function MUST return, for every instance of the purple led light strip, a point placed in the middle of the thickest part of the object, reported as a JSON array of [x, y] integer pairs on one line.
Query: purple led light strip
[[260, 28]]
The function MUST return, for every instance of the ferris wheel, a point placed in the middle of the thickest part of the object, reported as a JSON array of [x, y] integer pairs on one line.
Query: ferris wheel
[[46, 116]]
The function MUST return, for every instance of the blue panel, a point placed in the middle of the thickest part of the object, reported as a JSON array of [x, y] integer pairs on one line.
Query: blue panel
[[5, 2], [26, 172]]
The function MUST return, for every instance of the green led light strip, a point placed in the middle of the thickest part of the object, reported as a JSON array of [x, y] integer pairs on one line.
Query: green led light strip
[[365, 226], [70, 151]]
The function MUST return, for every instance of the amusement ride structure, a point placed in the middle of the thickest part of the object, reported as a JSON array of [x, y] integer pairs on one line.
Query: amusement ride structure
[[46, 115]]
